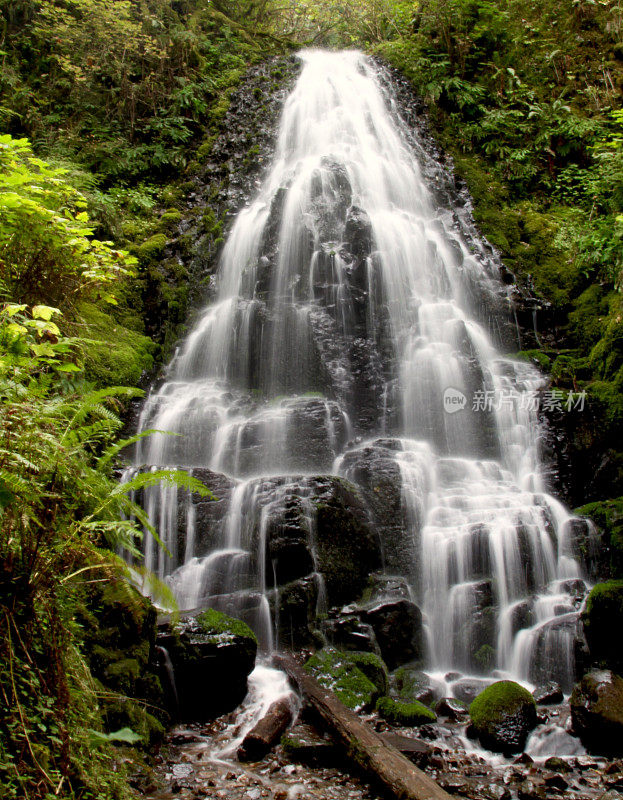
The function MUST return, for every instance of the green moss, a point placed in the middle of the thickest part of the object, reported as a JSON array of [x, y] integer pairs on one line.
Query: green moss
[[496, 701], [537, 357], [115, 356], [603, 621], [123, 674], [217, 623], [152, 249], [374, 668], [337, 672], [586, 319], [170, 220], [406, 714]]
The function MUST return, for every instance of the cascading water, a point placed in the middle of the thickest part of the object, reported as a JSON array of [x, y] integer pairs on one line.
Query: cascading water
[[355, 302]]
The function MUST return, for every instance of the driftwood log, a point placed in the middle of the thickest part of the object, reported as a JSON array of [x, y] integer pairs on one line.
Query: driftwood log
[[267, 732], [367, 749]]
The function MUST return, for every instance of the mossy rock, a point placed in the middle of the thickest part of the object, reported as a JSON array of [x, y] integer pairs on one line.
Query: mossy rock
[[603, 621], [170, 220], [212, 656], [153, 248], [406, 715], [118, 639], [502, 716], [373, 667], [538, 357], [116, 355], [215, 623], [336, 671]]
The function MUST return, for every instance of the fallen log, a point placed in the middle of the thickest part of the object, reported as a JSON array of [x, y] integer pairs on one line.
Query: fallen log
[[267, 732], [366, 748]]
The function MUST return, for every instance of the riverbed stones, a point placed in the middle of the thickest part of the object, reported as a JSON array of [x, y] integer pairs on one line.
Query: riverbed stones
[[502, 716], [597, 712]]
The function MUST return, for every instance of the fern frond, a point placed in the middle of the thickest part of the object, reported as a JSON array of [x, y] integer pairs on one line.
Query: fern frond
[[174, 477], [116, 448]]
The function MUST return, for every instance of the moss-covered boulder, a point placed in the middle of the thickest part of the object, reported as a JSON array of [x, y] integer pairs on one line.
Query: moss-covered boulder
[[597, 712], [406, 715], [338, 672], [374, 668], [212, 655], [603, 622], [502, 716]]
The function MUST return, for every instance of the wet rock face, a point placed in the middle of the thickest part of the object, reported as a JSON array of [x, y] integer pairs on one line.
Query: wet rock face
[[502, 717], [597, 712], [347, 548], [397, 625], [294, 610], [211, 655], [374, 468]]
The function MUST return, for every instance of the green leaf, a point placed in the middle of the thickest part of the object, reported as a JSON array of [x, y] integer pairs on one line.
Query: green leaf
[[126, 735], [44, 312]]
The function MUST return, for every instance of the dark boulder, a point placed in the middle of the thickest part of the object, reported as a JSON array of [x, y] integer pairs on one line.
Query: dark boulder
[[211, 655], [603, 622], [597, 712], [348, 632], [398, 628], [502, 716], [376, 471]]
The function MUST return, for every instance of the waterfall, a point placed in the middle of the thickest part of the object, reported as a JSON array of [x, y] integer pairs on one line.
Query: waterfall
[[359, 313]]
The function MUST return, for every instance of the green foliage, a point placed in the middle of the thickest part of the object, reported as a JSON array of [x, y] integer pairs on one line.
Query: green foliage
[[405, 714], [47, 249]]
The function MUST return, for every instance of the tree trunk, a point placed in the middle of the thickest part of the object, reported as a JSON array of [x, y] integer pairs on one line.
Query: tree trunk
[[266, 733], [364, 747]]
